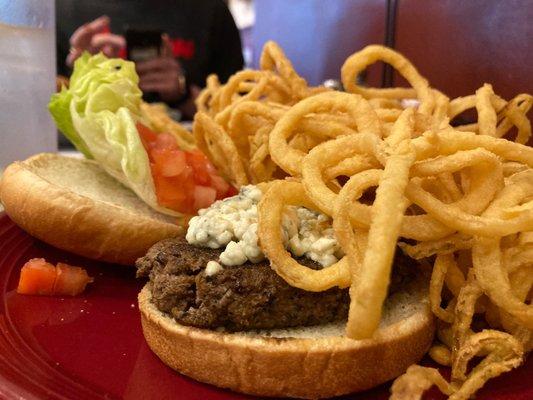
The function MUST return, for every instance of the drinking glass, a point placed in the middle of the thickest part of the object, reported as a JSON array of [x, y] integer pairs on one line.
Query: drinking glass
[[27, 78]]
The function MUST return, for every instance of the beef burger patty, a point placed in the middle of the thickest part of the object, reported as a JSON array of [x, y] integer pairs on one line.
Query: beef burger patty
[[238, 298]]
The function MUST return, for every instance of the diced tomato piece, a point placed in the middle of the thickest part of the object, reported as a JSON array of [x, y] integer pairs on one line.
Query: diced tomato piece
[[37, 277], [176, 192], [232, 191], [166, 141], [41, 278], [202, 177], [170, 162], [204, 196], [146, 133], [198, 161], [70, 280], [187, 176], [168, 190], [220, 185], [211, 168], [187, 186], [184, 181], [175, 165], [148, 137]]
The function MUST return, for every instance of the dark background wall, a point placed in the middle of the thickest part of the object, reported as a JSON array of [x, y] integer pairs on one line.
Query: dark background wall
[[318, 35], [457, 45]]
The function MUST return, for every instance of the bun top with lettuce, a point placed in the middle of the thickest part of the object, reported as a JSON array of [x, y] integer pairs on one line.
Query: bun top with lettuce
[[101, 113]]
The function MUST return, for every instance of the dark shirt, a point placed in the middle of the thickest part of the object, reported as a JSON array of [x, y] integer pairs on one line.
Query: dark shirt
[[202, 32]]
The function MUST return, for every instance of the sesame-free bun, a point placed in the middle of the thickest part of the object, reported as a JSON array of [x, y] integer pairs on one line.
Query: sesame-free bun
[[74, 205], [307, 362]]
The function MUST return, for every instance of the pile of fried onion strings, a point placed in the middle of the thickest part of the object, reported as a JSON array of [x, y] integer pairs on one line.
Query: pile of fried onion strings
[[457, 197]]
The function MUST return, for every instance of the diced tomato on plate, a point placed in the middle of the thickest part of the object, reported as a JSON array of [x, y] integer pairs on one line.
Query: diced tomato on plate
[[39, 277]]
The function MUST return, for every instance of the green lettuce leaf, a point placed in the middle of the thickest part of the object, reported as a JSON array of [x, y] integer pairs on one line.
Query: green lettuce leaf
[[59, 107], [99, 112]]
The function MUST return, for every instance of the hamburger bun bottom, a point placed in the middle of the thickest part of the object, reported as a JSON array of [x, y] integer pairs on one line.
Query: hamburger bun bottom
[[306, 362]]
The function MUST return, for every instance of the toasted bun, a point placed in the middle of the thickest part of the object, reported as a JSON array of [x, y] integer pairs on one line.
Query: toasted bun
[[74, 205], [311, 362]]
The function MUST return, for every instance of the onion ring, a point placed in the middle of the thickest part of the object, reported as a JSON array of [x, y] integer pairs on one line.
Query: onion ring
[[270, 211]]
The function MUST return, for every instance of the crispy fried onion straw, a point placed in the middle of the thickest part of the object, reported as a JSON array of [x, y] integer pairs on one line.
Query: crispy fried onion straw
[[270, 212], [276, 87], [505, 352], [468, 170], [369, 291], [357, 62], [356, 107], [214, 142], [453, 191]]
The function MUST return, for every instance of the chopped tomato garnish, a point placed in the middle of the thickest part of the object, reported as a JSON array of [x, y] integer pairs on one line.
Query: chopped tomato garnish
[[184, 181], [232, 191], [147, 136], [37, 277], [170, 162], [222, 187], [166, 192], [41, 278], [70, 280], [198, 161], [166, 141], [204, 196]]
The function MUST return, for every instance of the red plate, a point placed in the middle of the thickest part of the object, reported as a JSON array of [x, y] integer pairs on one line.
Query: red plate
[[92, 347]]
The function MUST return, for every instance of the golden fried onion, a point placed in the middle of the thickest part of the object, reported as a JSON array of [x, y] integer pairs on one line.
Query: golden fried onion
[[370, 289], [270, 213], [356, 107], [459, 197]]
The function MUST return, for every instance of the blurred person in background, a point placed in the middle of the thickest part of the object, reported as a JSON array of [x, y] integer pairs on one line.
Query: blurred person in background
[[196, 38], [243, 12]]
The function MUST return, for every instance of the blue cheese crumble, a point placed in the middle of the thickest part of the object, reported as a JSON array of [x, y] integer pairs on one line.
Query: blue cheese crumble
[[232, 223], [213, 268]]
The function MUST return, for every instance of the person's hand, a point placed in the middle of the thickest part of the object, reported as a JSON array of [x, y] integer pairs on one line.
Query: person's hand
[[94, 37], [162, 75]]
